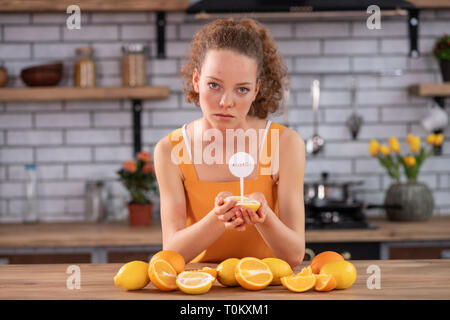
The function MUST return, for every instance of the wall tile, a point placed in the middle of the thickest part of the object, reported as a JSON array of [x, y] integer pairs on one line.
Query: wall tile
[[74, 141]]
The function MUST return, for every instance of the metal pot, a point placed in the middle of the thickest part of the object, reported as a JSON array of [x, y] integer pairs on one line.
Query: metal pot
[[324, 190]]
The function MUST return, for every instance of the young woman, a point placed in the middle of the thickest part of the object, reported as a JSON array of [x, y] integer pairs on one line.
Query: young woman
[[236, 76]]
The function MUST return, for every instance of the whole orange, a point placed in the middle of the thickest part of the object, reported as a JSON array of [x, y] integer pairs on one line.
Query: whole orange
[[323, 258], [175, 259]]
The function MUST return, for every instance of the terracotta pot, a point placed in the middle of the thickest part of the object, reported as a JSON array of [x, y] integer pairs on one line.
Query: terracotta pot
[[140, 214], [3, 77], [415, 198]]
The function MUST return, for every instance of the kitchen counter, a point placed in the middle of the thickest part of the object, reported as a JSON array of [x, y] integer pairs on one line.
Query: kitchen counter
[[121, 234], [400, 280], [111, 242]]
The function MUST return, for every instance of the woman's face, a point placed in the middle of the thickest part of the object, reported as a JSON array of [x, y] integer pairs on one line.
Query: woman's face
[[227, 87]]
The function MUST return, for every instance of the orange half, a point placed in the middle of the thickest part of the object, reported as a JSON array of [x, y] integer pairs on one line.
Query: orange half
[[162, 275], [253, 274], [299, 283], [175, 259], [324, 282]]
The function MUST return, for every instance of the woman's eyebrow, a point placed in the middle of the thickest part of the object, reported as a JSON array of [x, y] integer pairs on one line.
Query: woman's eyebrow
[[222, 81]]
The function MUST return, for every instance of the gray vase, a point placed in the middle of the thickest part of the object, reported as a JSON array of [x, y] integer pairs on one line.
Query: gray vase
[[415, 198]]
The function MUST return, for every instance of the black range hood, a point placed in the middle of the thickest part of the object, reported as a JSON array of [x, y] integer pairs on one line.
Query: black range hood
[[241, 6], [207, 9]]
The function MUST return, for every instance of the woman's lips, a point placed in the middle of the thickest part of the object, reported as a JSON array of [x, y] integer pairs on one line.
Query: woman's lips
[[224, 116]]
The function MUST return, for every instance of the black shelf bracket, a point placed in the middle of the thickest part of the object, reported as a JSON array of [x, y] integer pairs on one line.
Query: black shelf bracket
[[137, 127], [440, 101], [413, 30], [161, 34]]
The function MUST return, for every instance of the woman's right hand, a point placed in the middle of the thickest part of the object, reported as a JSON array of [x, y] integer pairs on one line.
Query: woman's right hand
[[228, 213]]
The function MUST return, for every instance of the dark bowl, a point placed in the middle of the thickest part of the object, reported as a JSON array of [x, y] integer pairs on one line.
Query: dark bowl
[[43, 75]]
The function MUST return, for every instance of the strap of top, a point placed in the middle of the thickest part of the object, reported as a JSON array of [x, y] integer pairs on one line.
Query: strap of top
[[188, 144], [182, 152], [186, 141]]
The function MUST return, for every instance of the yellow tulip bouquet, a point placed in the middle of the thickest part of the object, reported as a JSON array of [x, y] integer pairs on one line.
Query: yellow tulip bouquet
[[390, 158]]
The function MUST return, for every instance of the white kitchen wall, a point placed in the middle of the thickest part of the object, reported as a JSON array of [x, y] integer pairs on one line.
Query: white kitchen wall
[[74, 141]]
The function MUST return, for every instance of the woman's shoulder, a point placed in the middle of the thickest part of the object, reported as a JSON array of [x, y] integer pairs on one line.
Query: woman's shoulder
[[290, 138], [165, 145]]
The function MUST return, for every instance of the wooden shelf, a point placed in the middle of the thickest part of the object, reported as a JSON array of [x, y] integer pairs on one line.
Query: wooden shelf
[[93, 5], [431, 4], [431, 89], [69, 93]]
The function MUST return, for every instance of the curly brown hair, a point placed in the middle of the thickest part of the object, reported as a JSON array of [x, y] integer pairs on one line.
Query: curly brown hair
[[247, 37]]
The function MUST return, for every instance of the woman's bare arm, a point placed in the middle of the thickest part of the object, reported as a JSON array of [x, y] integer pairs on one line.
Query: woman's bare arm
[[188, 241], [286, 235]]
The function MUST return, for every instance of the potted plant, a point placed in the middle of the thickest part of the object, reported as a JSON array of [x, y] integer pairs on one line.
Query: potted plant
[[414, 199], [442, 53], [138, 176]]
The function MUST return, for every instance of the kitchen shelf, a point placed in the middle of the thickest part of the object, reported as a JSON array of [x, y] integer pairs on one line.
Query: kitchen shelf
[[430, 4], [431, 89], [93, 5], [136, 95], [437, 91], [63, 7], [68, 93]]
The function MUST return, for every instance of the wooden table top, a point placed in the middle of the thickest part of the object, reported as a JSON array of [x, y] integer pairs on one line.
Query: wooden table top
[[121, 234], [400, 280]]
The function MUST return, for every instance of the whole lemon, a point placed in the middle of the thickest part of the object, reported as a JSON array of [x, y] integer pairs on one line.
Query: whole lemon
[[279, 268], [132, 275], [344, 273], [225, 272]]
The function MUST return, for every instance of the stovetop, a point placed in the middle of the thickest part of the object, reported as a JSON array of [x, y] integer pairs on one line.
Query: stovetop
[[334, 219]]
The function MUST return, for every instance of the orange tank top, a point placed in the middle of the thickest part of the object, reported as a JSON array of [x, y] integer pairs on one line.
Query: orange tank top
[[200, 196]]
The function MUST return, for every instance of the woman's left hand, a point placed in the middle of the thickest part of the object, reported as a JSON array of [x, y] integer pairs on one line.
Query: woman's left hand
[[251, 216]]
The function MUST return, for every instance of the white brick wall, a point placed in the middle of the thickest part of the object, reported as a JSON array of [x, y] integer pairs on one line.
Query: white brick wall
[[74, 141]]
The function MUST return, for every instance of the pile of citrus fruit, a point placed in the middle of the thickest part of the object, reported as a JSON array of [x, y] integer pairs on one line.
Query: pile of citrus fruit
[[166, 270], [327, 271]]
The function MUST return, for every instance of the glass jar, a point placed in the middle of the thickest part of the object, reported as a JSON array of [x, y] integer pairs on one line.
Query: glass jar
[[96, 201], [134, 72], [30, 215], [85, 69]]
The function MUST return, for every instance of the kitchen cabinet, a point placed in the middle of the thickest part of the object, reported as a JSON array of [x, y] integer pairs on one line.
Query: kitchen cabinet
[[398, 280], [119, 242]]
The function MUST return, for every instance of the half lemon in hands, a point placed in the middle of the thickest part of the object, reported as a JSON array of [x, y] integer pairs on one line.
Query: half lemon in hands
[[246, 203]]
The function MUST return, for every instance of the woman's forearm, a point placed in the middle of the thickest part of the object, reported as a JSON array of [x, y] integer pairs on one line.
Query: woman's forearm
[[284, 242], [192, 240]]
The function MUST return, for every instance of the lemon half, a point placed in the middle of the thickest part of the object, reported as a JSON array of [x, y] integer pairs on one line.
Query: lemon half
[[195, 282], [246, 203]]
